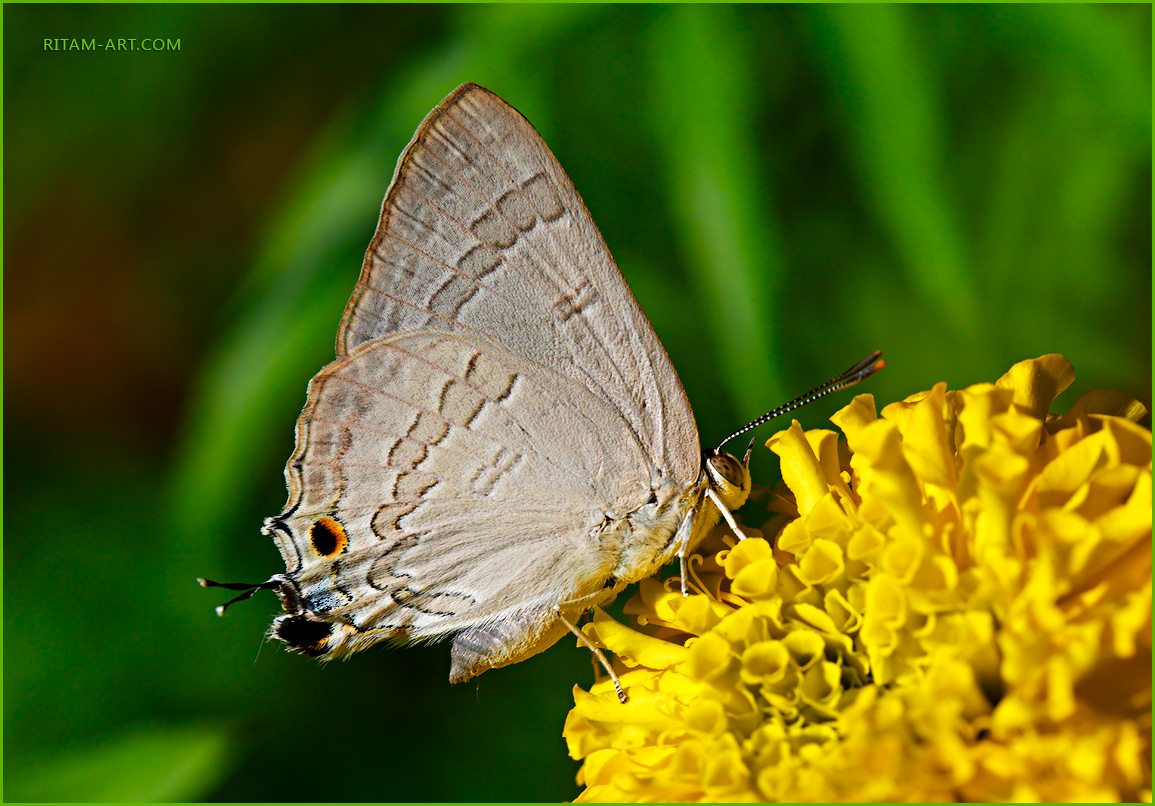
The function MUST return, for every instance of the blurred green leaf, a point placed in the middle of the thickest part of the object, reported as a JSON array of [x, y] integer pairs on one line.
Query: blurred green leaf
[[146, 765], [703, 119], [886, 83]]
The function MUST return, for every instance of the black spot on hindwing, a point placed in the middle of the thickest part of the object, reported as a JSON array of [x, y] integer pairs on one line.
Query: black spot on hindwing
[[302, 634]]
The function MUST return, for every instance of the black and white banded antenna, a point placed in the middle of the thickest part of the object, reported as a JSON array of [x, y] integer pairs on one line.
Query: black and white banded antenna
[[863, 369]]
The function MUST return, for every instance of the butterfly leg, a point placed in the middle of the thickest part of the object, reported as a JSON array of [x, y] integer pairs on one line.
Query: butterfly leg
[[588, 644], [687, 529], [725, 513], [682, 538], [597, 668]]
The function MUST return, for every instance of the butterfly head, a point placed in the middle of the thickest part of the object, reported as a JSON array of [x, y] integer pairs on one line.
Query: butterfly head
[[298, 628], [728, 476]]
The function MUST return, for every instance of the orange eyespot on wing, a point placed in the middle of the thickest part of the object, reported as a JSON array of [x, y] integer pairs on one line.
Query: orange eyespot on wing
[[327, 536]]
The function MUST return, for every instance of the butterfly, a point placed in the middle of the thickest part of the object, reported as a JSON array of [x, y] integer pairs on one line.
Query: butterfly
[[502, 442]]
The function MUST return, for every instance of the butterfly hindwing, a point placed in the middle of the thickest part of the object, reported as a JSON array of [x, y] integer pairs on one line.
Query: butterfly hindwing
[[440, 483]]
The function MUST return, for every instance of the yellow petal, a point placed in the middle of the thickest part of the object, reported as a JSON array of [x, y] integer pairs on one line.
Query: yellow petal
[[846, 617], [824, 444], [901, 558], [636, 648], [1071, 469], [654, 600], [765, 662], [853, 418], [1037, 382], [885, 599], [745, 553], [821, 686], [1131, 521], [806, 647], [925, 443], [828, 519], [795, 537], [892, 482], [697, 614], [822, 562], [707, 716], [710, 657], [757, 581], [865, 543], [801, 469], [603, 713], [1002, 477], [1104, 401], [752, 623], [725, 771], [1128, 442], [977, 405], [1018, 432], [597, 760]]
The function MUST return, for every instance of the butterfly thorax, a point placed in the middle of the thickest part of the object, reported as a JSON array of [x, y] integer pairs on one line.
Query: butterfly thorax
[[679, 518], [644, 540]]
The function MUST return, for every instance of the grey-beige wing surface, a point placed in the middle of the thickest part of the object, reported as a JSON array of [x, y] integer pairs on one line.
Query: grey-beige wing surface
[[502, 442], [443, 484], [482, 231]]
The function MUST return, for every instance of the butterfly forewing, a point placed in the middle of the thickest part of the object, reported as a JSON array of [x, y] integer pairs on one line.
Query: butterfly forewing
[[482, 231]]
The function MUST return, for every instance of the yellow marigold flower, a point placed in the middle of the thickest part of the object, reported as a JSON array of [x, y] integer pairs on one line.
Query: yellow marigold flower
[[952, 604]]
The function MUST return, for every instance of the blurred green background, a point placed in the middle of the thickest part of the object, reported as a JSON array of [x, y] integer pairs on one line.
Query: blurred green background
[[785, 188]]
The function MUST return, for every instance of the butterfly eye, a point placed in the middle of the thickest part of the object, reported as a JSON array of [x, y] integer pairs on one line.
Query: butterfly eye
[[725, 467], [328, 537]]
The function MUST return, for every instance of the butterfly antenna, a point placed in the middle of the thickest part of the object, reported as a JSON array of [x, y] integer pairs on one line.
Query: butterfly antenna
[[249, 590], [863, 369]]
